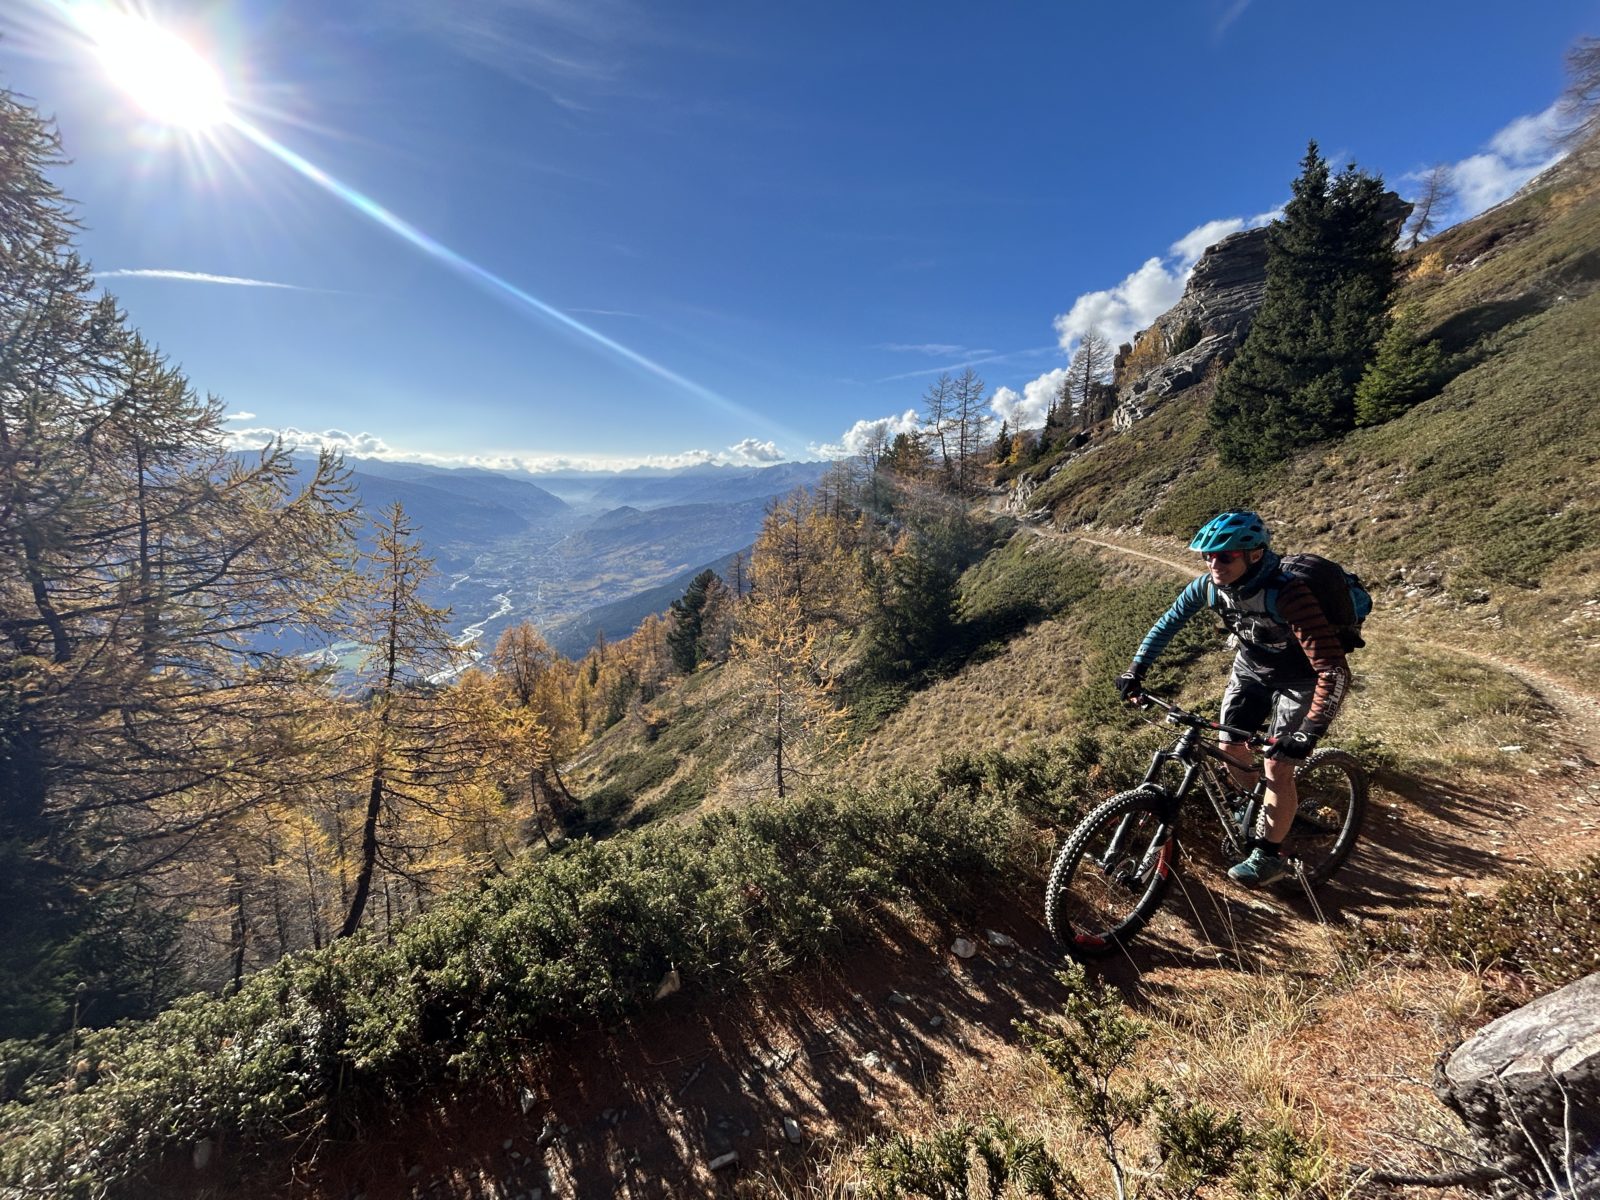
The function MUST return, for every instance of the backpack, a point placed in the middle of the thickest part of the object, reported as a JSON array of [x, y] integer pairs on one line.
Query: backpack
[[1345, 602]]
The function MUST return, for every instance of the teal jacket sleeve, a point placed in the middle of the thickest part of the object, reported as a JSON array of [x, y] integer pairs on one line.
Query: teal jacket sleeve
[[1190, 601]]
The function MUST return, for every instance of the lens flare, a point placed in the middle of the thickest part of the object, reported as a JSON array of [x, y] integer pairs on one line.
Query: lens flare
[[173, 84], [486, 278], [162, 73]]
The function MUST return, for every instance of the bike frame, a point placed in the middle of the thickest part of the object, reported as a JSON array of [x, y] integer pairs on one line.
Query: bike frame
[[1191, 752]]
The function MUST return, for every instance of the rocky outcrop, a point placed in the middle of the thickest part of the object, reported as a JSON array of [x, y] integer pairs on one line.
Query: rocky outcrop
[[1222, 297], [1528, 1088]]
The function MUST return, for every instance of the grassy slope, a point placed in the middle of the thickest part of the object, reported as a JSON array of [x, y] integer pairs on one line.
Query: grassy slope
[[1478, 507]]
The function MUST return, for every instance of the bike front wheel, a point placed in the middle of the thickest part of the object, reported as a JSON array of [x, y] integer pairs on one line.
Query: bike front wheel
[[1332, 787], [1111, 873]]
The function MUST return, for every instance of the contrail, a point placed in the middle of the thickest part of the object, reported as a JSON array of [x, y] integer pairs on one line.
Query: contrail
[[196, 277], [483, 276]]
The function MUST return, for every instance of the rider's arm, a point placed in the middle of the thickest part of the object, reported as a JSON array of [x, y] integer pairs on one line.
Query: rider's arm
[[1300, 611], [1190, 601]]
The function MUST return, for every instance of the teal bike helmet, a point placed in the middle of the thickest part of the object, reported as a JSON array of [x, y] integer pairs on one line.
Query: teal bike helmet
[[1232, 531]]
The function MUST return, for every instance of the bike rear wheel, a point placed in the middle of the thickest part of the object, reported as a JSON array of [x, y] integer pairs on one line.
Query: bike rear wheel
[[1332, 787], [1111, 873]]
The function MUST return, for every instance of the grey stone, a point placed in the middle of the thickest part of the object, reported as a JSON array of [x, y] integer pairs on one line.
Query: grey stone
[[1222, 296], [528, 1100], [791, 1130], [724, 1160], [1525, 1083]]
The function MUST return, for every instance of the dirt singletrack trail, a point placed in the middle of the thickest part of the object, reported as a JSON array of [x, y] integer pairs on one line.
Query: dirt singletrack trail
[[1578, 708]]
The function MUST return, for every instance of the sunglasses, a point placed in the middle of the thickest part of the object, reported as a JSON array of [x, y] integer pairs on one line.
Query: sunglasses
[[1221, 556]]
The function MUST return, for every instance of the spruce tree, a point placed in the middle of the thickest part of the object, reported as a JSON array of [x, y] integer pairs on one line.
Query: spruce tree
[[688, 617], [1330, 270], [1404, 371]]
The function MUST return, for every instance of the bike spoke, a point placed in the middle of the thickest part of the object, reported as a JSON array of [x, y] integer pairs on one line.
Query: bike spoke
[[1110, 875]]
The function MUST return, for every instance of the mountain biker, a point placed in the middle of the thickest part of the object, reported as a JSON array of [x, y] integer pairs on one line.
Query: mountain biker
[[1290, 666]]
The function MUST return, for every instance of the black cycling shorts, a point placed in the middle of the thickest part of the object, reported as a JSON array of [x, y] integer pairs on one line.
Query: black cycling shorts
[[1247, 703]]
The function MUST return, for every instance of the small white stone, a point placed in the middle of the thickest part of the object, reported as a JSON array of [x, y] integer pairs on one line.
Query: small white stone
[[963, 948], [1004, 940], [724, 1160]]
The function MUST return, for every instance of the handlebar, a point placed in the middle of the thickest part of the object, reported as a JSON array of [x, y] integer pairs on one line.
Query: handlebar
[[1182, 716]]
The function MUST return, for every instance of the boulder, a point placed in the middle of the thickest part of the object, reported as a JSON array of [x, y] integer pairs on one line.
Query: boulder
[[1527, 1086], [1222, 296]]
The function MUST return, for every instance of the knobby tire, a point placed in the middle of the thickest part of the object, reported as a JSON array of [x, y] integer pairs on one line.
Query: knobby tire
[[1332, 787], [1095, 904]]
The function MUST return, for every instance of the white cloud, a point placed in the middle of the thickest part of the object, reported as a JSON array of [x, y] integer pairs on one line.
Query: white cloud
[[752, 451], [854, 440], [198, 277], [1193, 244], [1118, 312], [1027, 410], [240, 416], [1528, 145], [1121, 311], [1233, 13], [749, 452]]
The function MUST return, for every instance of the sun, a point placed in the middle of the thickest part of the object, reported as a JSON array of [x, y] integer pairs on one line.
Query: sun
[[162, 73]]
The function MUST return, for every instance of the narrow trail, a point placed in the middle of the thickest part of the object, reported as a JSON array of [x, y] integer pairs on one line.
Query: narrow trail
[[1579, 708]]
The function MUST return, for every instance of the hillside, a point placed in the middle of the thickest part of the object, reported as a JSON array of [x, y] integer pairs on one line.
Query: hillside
[[824, 984]]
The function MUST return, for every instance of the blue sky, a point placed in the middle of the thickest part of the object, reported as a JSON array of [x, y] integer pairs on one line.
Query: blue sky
[[761, 226]]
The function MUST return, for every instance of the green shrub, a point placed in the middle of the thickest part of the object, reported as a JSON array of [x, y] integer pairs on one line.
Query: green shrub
[[1543, 924], [1184, 337], [940, 1166], [466, 990]]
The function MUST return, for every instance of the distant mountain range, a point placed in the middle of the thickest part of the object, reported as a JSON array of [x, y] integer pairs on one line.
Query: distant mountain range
[[575, 552]]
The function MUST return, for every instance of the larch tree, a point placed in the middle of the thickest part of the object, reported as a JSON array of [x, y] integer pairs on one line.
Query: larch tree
[[407, 738], [971, 429], [787, 691], [938, 417], [1580, 101], [543, 685], [1089, 368], [1436, 196], [143, 569]]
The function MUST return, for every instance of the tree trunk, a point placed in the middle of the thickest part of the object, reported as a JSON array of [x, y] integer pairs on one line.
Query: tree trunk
[[241, 928], [369, 855]]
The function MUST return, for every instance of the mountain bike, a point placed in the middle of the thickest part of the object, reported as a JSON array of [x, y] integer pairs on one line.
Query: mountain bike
[[1113, 871]]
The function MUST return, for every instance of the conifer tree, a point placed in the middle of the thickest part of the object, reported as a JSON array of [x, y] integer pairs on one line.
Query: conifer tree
[[408, 737], [1330, 271], [140, 565], [786, 687], [1002, 444], [688, 616], [1404, 371]]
